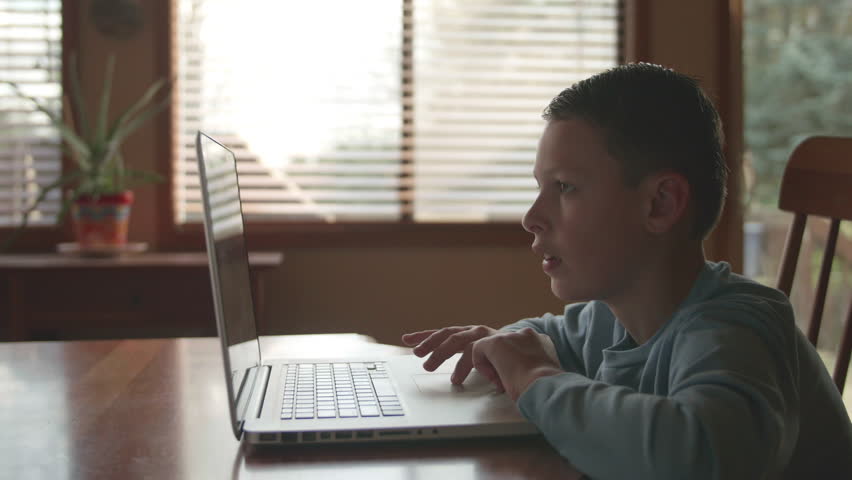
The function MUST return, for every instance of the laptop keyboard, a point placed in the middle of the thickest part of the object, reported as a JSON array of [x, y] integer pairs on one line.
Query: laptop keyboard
[[338, 390]]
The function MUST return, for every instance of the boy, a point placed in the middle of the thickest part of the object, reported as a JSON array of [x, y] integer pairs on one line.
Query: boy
[[672, 366]]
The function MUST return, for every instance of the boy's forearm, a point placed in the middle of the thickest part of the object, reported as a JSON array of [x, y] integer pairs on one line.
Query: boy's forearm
[[567, 337], [591, 423], [536, 324], [537, 373]]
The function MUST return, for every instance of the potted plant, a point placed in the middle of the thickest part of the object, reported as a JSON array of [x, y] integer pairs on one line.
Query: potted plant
[[98, 188]]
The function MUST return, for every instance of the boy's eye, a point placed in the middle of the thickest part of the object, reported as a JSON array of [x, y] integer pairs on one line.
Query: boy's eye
[[565, 187]]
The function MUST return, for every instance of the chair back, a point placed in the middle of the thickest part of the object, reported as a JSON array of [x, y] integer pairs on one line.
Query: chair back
[[818, 181]]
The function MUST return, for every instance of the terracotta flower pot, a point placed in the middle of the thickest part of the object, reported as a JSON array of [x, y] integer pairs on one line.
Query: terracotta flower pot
[[101, 221]]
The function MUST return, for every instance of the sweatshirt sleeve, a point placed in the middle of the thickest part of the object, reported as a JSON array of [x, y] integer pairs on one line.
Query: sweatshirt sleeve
[[723, 417], [568, 333]]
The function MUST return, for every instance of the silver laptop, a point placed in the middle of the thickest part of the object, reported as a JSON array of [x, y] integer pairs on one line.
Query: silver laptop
[[285, 400]]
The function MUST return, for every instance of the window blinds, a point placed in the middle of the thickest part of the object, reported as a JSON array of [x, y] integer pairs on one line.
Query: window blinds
[[30, 149], [421, 110]]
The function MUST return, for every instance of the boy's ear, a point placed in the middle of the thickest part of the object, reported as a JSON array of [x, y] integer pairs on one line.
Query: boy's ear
[[667, 196]]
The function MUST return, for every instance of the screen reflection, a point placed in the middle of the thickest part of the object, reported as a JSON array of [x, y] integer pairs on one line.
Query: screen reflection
[[230, 278]]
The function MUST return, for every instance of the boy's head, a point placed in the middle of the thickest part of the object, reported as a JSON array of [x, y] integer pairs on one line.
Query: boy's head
[[631, 177], [654, 119]]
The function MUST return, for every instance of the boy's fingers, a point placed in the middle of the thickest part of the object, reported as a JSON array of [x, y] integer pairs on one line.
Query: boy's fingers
[[433, 340], [414, 338], [463, 367], [454, 343], [484, 366]]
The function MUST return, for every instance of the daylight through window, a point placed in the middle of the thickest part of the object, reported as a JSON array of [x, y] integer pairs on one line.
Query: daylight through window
[[30, 151], [392, 110]]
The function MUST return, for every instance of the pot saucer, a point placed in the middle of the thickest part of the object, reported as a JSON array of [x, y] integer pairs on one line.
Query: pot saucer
[[101, 251]]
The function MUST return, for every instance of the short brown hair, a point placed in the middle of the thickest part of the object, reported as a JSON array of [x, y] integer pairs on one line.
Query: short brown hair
[[654, 119]]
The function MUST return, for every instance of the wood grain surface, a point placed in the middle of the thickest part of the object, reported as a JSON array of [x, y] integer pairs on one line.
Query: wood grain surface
[[157, 409]]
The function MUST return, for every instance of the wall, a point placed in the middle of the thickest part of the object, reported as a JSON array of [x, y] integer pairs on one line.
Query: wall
[[703, 38], [136, 69], [384, 292]]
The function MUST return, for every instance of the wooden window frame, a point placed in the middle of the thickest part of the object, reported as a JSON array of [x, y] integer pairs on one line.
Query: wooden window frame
[[165, 234], [402, 233]]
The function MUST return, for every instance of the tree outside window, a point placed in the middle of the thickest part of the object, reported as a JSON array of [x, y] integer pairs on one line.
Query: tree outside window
[[798, 82]]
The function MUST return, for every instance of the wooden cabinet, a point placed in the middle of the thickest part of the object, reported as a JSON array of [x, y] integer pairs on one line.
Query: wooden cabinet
[[53, 297]]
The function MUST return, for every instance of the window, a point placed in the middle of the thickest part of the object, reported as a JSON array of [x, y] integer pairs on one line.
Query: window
[[30, 149], [381, 111], [798, 82]]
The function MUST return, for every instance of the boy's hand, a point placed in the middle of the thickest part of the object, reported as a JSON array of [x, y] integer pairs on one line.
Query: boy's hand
[[514, 360], [445, 343]]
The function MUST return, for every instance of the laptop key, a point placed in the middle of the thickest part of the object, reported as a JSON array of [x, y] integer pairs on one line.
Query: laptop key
[[348, 412], [383, 387], [369, 411], [314, 391]]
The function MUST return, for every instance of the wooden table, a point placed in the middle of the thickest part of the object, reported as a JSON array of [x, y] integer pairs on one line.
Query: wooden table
[[157, 409], [154, 294]]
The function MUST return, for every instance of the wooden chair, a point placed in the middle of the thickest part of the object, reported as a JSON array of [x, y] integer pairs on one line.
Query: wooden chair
[[818, 181]]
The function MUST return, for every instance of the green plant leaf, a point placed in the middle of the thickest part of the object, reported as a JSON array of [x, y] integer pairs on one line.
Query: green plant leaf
[[73, 140], [110, 155], [103, 113], [66, 204], [82, 165], [78, 104], [130, 120], [140, 119], [60, 182], [119, 172], [80, 151], [143, 101], [54, 118], [96, 147]]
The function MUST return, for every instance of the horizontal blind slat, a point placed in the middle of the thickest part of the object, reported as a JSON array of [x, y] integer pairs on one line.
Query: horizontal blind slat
[[485, 66], [30, 154], [441, 119]]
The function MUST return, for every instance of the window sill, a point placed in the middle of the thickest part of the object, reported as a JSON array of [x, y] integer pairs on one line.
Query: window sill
[[382, 235]]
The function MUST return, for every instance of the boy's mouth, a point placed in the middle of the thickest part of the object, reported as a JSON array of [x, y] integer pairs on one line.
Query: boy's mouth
[[550, 263]]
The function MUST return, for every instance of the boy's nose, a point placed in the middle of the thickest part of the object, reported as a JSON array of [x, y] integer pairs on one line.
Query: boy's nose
[[531, 221]]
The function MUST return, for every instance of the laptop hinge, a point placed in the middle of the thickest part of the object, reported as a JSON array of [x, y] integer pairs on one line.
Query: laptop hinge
[[244, 394], [259, 391]]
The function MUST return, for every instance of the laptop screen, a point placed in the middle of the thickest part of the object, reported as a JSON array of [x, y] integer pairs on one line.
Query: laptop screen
[[229, 267]]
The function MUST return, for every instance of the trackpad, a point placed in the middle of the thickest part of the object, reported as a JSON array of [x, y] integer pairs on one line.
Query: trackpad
[[433, 383]]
